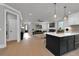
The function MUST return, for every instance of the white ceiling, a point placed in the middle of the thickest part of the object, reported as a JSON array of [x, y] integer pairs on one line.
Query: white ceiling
[[43, 11]]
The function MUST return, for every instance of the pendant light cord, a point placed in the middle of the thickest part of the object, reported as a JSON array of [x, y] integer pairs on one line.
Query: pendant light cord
[[55, 8], [64, 11]]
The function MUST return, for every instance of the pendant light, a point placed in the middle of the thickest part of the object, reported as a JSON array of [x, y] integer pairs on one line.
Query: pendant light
[[69, 10], [55, 16], [65, 16]]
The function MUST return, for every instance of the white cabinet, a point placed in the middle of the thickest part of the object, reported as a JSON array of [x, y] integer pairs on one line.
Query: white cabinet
[[74, 19]]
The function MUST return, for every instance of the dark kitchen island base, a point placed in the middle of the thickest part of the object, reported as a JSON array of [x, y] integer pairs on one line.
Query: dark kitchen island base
[[60, 45]]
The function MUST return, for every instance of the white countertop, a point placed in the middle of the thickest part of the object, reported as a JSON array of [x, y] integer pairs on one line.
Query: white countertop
[[61, 34]]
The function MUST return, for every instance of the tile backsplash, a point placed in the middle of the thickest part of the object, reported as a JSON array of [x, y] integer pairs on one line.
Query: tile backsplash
[[75, 28]]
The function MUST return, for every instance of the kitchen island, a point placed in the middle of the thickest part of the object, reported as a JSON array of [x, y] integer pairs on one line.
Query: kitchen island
[[60, 43]]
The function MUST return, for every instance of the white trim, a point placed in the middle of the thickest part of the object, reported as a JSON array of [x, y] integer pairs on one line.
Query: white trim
[[18, 32], [7, 10], [18, 24], [12, 9], [5, 27]]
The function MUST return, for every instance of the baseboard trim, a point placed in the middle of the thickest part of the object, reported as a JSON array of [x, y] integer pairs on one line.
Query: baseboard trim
[[2, 46], [11, 40]]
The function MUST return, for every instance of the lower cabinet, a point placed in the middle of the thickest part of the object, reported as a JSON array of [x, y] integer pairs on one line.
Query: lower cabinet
[[52, 44], [77, 41], [71, 43], [67, 44], [63, 45], [60, 45]]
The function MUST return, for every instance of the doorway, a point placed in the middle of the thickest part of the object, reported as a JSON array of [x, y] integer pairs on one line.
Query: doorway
[[25, 31], [26, 28], [12, 25]]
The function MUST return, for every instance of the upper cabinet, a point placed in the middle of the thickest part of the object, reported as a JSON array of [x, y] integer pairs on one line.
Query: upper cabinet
[[74, 19]]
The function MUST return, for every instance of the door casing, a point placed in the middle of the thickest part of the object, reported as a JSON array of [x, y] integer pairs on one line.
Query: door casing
[[18, 24]]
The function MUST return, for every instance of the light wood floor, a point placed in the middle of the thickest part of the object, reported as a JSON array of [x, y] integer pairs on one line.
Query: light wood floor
[[27, 47], [30, 47]]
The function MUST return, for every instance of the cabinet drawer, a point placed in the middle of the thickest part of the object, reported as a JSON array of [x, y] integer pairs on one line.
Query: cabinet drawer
[[76, 45], [71, 44], [63, 46], [77, 38]]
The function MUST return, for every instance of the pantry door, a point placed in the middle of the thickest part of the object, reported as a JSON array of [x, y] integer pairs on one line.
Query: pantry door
[[12, 26]]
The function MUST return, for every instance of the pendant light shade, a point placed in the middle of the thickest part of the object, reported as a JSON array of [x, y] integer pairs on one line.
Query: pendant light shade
[[55, 16], [65, 16]]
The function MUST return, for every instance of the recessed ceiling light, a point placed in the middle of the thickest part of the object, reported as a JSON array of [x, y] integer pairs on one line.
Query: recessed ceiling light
[[30, 14], [69, 12], [48, 5]]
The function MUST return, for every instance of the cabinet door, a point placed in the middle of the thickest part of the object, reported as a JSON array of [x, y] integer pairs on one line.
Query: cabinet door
[[73, 19], [71, 43], [52, 44], [48, 41], [76, 41], [63, 45], [76, 38]]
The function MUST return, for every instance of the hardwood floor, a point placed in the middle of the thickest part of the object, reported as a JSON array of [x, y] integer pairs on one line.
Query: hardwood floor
[[27, 47], [30, 46]]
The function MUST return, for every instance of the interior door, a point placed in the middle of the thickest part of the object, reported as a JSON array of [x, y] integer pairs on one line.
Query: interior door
[[12, 30]]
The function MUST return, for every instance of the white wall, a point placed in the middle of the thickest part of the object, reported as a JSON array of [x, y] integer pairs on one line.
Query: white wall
[[74, 19], [2, 35], [45, 26]]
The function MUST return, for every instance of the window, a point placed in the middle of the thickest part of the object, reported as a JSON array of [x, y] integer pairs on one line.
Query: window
[[61, 24]]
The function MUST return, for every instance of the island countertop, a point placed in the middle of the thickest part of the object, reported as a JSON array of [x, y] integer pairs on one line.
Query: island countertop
[[61, 34]]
